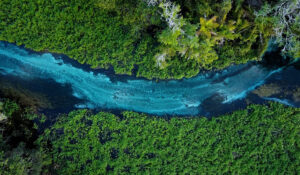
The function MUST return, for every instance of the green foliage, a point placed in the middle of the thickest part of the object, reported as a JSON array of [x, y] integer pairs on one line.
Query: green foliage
[[18, 155], [286, 15], [214, 34], [126, 34], [258, 140], [94, 32], [9, 107], [84, 31], [107, 4], [20, 161]]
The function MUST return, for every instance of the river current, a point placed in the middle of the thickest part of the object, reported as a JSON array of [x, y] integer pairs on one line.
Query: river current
[[96, 90]]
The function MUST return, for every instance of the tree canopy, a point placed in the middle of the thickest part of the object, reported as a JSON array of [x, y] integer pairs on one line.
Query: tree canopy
[[152, 38], [260, 139]]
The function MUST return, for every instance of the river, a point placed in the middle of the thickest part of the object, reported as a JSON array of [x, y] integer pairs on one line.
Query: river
[[69, 85]]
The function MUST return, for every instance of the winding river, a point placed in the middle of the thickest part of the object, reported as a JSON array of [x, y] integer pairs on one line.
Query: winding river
[[92, 89]]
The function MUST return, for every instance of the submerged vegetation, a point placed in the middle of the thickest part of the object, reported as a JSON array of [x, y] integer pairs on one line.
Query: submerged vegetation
[[152, 38], [259, 139]]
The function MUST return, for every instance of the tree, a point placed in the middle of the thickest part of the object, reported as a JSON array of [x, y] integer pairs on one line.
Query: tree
[[286, 24]]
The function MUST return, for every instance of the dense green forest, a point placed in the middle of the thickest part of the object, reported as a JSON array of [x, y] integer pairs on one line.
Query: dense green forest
[[257, 140], [19, 155], [153, 38]]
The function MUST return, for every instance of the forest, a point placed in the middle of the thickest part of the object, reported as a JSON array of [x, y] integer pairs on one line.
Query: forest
[[262, 139], [155, 39]]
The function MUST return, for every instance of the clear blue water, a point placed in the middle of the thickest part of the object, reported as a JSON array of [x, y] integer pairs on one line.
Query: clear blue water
[[96, 90]]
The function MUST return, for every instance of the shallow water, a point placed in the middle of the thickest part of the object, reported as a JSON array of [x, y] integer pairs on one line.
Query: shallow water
[[96, 90]]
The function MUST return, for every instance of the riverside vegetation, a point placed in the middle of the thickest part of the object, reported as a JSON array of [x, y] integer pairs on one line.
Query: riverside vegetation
[[153, 38], [260, 139], [159, 39]]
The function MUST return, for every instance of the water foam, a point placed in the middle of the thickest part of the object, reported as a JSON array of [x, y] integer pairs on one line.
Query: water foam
[[165, 97]]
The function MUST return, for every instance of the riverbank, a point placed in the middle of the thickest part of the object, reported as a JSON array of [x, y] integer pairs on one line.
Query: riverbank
[[131, 43], [82, 142]]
